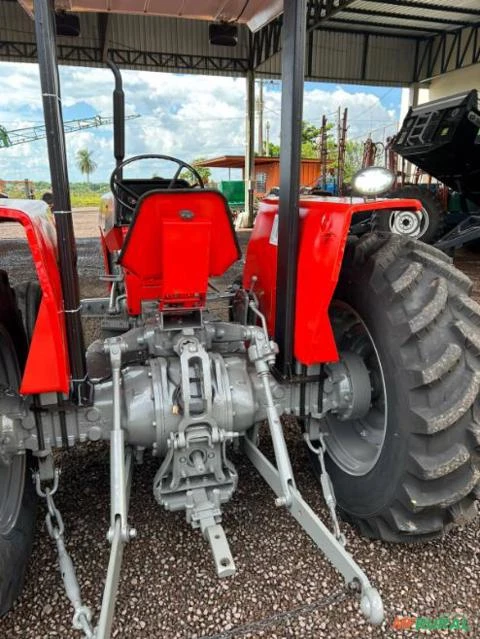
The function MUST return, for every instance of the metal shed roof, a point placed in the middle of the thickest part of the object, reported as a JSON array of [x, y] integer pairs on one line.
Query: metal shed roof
[[238, 161], [407, 16], [389, 42]]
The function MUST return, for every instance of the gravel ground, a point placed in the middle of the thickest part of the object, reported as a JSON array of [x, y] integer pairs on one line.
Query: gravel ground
[[168, 587]]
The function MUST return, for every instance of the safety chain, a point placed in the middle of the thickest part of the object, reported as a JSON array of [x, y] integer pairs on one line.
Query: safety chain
[[327, 486], [82, 615], [280, 617]]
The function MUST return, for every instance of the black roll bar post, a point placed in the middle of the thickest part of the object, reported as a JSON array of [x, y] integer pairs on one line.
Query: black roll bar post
[[293, 64], [44, 15]]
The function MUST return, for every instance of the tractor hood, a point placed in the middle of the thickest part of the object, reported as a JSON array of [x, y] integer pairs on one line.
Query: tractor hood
[[255, 13]]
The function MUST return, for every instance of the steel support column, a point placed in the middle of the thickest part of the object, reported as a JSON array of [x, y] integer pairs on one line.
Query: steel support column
[[249, 172], [293, 65], [67, 254], [407, 168], [413, 92]]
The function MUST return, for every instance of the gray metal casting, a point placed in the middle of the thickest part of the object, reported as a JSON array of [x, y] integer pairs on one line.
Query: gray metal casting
[[152, 377], [356, 428], [187, 392]]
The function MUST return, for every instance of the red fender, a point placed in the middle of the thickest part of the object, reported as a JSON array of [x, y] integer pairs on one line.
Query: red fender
[[324, 225], [47, 369]]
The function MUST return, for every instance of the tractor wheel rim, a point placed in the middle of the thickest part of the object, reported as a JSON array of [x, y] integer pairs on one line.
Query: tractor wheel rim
[[12, 469], [356, 445], [12, 478], [411, 223]]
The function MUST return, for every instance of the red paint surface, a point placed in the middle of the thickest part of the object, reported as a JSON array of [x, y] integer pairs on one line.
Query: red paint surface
[[47, 368], [324, 224], [115, 237], [169, 258]]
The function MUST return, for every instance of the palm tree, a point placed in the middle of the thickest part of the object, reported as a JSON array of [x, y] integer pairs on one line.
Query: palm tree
[[85, 162]]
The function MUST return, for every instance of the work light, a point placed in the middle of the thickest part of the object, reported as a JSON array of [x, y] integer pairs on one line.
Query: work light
[[372, 181]]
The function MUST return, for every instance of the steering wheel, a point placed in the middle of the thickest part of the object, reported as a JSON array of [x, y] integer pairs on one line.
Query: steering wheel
[[117, 185]]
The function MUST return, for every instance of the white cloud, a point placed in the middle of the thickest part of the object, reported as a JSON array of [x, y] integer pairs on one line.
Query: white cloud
[[366, 113], [184, 116]]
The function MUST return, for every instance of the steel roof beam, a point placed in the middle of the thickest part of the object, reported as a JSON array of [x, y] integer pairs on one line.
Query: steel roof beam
[[402, 16], [337, 29], [267, 42], [154, 59], [320, 10], [437, 52], [427, 6], [376, 25]]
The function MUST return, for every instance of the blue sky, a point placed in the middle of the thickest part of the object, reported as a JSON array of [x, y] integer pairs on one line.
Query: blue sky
[[183, 115]]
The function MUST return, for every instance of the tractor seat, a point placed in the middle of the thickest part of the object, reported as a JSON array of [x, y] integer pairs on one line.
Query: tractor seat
[[177, 240]]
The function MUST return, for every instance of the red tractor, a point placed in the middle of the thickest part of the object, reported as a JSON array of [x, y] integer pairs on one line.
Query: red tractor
[[372, 343]]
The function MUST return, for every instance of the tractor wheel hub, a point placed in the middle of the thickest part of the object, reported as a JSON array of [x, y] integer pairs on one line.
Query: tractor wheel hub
[[347, 391], [357, 426], [411, 223]]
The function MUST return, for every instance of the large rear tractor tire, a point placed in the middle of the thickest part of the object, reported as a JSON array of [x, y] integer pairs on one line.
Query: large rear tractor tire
[[18, 501], [409, 469], [29, 296], [427, 225], [11, 319], [17, 498]]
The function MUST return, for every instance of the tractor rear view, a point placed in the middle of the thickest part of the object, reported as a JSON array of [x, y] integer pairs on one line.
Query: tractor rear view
[[378, 357]]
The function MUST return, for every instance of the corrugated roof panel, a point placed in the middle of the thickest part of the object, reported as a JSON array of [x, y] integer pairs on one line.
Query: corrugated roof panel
[[129, 33], [169, 44], [15, 22], [390, 57], [272, 67], [170, 36], [338, 56], [402, 25], [420, 12], [466, 4]]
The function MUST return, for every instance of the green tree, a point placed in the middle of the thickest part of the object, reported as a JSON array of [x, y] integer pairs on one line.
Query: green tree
[[85, 162], [353, 158], [203, 171], [311, 149], [310, 135], [273, 150]]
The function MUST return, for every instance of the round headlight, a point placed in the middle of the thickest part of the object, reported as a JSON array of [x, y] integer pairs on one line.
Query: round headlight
[[373, 180]]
